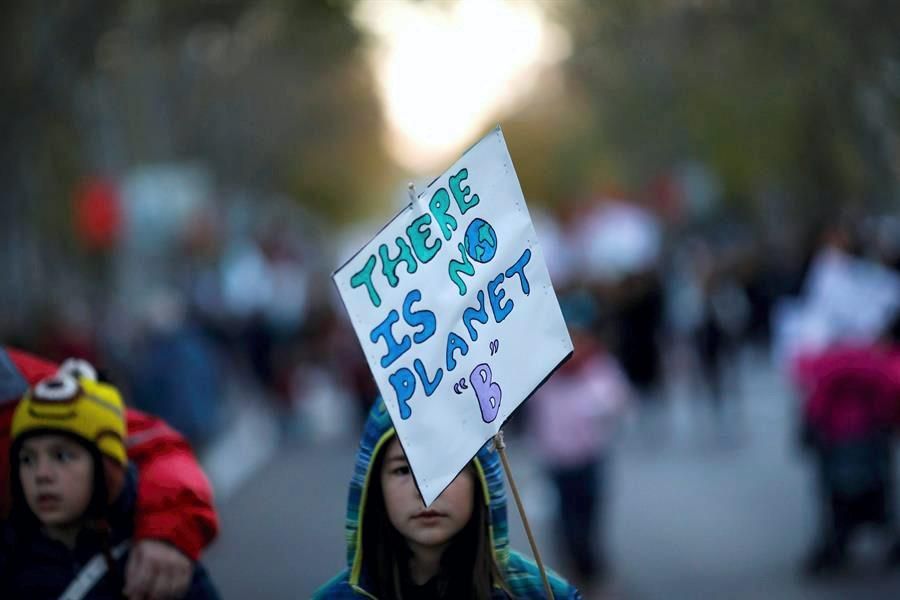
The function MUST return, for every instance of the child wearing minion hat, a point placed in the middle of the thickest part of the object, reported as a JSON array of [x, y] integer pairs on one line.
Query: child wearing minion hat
[[73, 493]]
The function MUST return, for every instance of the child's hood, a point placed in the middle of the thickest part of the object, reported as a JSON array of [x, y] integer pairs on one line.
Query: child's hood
[[378, 431]]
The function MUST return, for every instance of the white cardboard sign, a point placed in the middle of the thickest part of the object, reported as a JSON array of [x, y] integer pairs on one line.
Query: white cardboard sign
[[454, 309]]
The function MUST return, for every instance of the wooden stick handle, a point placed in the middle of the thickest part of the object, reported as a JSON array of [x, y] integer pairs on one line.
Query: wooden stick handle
[[500, 445]]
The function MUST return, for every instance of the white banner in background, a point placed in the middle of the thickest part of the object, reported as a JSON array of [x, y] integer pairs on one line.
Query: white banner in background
[[454, 309]]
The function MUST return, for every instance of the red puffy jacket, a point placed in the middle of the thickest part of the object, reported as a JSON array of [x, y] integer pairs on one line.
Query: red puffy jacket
[[175, 500]]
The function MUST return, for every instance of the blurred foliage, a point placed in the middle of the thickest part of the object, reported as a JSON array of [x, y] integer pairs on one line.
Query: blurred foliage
[[797, 95], [277, 96], [794, 106], [273, 94], [44, 50]]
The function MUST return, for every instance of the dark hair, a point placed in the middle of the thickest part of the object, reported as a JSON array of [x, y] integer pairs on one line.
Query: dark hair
[[468, 568]]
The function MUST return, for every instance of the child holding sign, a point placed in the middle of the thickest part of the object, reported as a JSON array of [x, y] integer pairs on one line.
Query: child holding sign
[[73, 495], [456, 338], [456, 548]]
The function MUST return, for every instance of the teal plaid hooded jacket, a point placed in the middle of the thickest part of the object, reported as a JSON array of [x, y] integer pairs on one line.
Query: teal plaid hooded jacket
[[522, 576]]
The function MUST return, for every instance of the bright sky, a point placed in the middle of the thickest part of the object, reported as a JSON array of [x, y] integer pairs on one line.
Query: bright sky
[[447, 71]]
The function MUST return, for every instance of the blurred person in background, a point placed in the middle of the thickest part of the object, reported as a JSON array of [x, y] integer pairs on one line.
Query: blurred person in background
[[174, 370], [725, 312], [850, 417], [845, 298], [268, 289], [321, 382], [573, 418], [616, 246], [174, 516], [640, 314], [73, 494]]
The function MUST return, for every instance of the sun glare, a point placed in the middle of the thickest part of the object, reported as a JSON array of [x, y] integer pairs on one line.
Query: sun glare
[[446, 71]]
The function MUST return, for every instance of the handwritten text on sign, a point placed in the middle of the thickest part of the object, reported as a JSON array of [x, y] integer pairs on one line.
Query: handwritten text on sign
[[454, 309]]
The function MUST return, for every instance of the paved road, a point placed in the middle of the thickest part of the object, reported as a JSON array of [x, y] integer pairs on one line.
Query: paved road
[[694, 513]]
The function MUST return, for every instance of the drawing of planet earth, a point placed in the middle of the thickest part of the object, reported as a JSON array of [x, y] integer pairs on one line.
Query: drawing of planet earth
[[481, 241]]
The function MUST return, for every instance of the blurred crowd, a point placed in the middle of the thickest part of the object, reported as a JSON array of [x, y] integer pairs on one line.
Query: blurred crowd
[[202, 301], [648, 302], [211, 287], [224, 300]]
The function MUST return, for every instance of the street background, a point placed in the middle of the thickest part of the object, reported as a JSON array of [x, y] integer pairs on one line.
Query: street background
[[694, 515], [715, 186]]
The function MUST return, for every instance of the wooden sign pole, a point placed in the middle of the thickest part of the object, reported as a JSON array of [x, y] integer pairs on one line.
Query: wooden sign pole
[[500, 445]]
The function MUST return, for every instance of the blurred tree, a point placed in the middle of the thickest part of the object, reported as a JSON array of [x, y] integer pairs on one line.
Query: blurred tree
[[798, 94], [45, 51], [270, 94]]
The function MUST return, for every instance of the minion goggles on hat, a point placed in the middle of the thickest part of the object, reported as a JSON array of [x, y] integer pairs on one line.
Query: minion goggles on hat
[[73, 401]]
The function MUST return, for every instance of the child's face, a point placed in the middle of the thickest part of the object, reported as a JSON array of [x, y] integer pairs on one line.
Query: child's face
[[57, 476], [437, 525]]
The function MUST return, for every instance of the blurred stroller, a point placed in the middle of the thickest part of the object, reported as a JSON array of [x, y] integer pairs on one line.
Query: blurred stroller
[[850, 415]]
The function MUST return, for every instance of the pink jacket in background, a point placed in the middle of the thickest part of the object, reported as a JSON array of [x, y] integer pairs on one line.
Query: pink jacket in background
[[849, 391], [574, 415]]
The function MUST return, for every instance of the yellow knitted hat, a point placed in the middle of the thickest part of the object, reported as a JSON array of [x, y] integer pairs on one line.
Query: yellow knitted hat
[[75, 404]]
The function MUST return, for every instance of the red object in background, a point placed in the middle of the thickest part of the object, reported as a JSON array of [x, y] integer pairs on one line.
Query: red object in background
[[98, 213]]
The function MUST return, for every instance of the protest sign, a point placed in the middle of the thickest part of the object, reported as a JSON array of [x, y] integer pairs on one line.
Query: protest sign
[[454, 309]]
